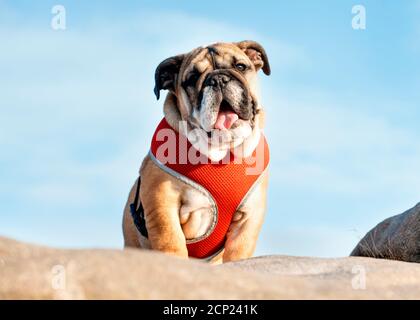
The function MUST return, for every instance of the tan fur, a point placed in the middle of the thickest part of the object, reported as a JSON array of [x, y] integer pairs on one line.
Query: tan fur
[[165, 198]]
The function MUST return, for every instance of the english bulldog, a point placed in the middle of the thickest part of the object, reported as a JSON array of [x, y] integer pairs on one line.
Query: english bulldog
[[211, 203]]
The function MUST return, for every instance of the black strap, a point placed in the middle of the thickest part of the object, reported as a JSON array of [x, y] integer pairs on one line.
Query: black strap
[[138, 214]]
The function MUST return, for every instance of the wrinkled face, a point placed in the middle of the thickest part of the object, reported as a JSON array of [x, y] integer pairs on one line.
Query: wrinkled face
[[216, 89]]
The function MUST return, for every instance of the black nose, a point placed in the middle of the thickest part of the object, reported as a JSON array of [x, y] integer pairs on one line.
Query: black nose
[[218, 80]]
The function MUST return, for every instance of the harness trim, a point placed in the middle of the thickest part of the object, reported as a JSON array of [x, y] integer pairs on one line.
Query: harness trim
[[198, 187], [251, 190]]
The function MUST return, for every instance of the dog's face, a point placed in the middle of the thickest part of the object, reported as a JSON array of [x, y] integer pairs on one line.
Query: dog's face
[[215, 89]]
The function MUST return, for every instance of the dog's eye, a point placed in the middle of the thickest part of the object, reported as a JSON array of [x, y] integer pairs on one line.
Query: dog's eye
[[192, 79], [240, 67]]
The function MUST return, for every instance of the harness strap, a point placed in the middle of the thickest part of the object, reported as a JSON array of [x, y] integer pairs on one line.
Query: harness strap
[[138, 214]]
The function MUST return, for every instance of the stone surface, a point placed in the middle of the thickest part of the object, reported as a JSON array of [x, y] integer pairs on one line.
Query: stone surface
[[396, 238], [35, 272]]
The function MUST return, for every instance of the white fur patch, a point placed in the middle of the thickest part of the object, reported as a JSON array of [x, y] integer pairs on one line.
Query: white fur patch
[[196, 214], [207, 116]]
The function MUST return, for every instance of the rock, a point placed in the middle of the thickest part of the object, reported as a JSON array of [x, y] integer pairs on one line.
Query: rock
[[396, 238], [36, 272]]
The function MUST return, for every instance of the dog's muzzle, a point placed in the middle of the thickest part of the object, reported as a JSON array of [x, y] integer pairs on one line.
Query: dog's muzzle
[[230, 92]]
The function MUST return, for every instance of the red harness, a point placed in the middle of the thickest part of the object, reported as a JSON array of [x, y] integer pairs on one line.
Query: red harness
[[228, 181]]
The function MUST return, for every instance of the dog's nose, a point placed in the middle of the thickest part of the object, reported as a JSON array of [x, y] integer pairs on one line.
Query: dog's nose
[[224, 79], [213, 82], [219, 80]]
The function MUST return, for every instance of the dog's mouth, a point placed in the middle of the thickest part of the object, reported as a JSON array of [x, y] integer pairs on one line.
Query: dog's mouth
[[226, 116], [223, 108]]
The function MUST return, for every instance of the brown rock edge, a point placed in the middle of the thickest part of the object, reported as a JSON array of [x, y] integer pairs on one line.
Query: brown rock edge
[[36, 272]]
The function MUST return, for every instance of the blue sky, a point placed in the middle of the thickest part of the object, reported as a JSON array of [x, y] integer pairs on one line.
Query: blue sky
[[77, 111]]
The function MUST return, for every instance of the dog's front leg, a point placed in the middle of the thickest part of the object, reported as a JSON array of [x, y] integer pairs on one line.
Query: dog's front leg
[[161, 199], [164, 230], [241, 239], [242, 236]]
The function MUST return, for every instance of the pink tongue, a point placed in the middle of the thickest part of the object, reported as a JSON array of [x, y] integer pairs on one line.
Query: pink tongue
[[225, 120]]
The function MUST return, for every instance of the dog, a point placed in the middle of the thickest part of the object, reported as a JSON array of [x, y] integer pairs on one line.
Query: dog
[[209, 206]]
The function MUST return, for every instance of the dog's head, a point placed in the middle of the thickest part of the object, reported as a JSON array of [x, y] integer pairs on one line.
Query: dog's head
[[214, 89]]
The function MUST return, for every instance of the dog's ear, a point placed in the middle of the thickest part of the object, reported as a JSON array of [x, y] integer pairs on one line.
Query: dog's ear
[[256, 54], [166, 73]]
